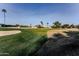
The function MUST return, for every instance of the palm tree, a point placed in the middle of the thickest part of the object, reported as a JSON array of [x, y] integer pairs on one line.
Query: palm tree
[[41, 23], [47, 24], [4, 11], [30, 25]]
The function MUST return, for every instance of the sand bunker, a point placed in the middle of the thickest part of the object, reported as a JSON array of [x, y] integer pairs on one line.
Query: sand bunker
[[4, 33], [50, 33]]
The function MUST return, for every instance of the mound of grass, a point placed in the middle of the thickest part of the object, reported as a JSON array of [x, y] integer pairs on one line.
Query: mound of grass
[[25, 43]]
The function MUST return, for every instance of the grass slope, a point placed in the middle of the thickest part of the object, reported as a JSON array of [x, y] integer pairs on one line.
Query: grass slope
[[25, 43]]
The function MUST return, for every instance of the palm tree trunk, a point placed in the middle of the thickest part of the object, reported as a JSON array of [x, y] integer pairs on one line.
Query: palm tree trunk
[[4, 19]]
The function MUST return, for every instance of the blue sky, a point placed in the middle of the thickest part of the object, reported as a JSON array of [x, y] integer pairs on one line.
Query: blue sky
[[34, 13]]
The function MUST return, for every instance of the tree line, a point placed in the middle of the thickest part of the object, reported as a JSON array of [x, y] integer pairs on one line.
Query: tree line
[[58, 24], [55, 24]]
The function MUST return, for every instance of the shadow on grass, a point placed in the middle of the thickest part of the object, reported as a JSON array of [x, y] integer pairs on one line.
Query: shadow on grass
[[38, 45], [60, 45]]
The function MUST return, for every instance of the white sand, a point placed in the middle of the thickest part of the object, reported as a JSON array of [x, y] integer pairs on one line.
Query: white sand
[[4, 33]]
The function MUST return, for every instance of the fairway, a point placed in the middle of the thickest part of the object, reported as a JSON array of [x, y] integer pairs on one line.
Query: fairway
[[28, 42]]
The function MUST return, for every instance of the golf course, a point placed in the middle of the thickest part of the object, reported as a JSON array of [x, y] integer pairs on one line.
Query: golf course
[[39, 29], [24, 42]]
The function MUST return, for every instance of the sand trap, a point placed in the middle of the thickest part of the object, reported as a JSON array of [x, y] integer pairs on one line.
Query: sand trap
[[50, 33], [4, 33]]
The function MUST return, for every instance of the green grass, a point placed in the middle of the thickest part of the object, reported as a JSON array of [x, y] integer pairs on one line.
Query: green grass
[[7, 29], [25, 43]]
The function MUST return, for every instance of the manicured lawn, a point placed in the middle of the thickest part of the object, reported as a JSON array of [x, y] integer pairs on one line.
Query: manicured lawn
[[25, 43], [7, 29]]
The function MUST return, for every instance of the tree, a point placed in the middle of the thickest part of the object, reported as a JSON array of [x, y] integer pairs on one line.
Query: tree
[[47, 24], [72, 26], [77, 26], [4, 11], [65, 26], [30, 25], [57, 24], [17, 25], [41, 23], [38, 26]]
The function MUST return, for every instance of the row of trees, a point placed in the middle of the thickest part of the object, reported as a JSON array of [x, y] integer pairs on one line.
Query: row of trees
[[57, 24]]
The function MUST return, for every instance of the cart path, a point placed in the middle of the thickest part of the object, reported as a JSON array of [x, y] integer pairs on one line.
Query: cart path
[[4, 33]]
